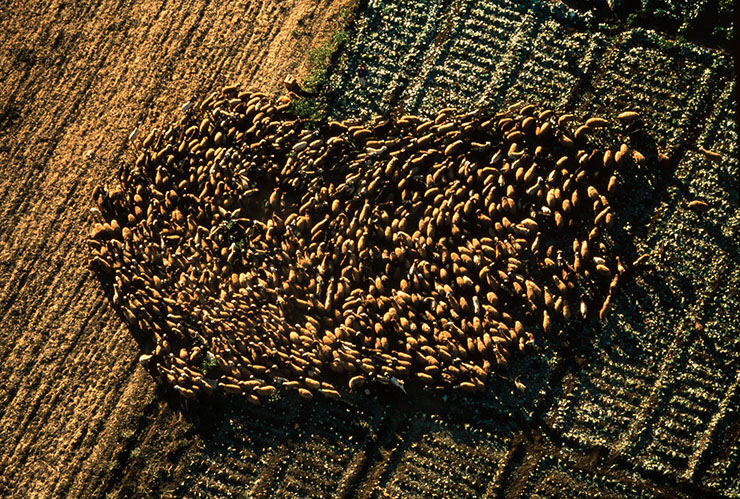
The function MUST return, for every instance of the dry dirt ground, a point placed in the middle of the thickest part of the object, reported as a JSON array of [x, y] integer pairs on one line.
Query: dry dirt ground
[[644, 404], [75, 78]]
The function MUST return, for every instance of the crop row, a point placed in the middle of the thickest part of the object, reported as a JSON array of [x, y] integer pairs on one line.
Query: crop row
[[551, 477], [390, 41], [447, 460], [281, 449]]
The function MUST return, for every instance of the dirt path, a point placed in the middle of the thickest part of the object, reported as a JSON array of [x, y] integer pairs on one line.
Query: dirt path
[[75, 78]]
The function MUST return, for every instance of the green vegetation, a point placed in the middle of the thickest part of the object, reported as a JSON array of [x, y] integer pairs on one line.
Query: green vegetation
[[320, 60], [725, 6], [188, 320], [208, 366], [308, 108]]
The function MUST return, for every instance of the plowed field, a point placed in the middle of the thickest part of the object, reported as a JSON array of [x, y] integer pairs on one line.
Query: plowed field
[[75, 78], [644, 404]]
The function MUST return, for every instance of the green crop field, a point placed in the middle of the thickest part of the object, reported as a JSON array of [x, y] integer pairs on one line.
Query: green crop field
[[643, 404]]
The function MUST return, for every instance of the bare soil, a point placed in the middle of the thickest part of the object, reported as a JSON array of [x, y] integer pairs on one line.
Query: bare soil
[[75, 79]]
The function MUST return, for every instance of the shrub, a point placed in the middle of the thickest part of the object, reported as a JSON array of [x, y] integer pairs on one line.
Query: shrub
[[208, 366], [307, 108], [319, 62]]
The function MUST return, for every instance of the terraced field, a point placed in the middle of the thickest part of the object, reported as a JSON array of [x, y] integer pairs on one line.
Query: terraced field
[[644, 404]]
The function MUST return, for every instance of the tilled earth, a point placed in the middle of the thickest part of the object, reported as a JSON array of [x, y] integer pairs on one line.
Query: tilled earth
[[76, 78], [644, 404]]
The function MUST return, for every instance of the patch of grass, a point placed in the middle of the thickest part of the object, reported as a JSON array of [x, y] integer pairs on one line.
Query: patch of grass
[[320, 59], [307, 108], [341, 38], [208, 366], [113, 466]]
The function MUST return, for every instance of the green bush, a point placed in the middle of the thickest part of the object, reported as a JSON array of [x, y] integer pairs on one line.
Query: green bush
[[307, 108], [208, 366], [340, 38], [319, 60]]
